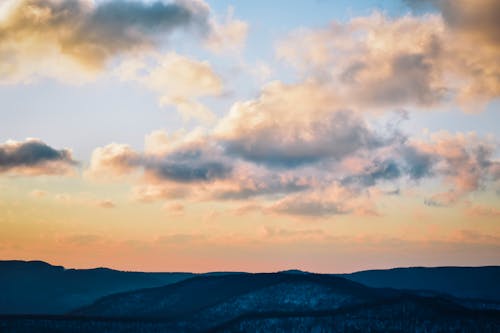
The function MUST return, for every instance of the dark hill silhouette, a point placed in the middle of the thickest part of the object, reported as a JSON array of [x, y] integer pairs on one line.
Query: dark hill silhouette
[[463, 282], [35, 287], [234, 292], [265, 302]]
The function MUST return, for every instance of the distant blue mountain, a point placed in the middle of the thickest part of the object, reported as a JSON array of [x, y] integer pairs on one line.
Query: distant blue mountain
[[464, 282], [35, 287], [291, 301], [104, 300]]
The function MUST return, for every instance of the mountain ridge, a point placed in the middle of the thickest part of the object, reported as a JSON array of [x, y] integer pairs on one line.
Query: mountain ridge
[[37, 287], [263, 302]]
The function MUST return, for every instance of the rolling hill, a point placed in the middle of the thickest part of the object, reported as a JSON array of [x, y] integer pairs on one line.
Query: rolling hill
[[38, 297], [265, 302]]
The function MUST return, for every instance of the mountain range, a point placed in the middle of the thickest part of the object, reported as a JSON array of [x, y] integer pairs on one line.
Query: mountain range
[[38, 297]]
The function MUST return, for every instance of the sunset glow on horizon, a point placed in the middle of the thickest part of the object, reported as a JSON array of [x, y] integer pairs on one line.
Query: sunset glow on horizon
[[200, 135]]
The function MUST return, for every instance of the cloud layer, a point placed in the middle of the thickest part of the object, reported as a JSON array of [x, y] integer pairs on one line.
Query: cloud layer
[[323, 179], [321, 145], [423, 61]]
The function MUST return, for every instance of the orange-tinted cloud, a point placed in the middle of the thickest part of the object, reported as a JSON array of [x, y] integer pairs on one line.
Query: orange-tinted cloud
[[73, 40], [483, 211], [199, 165], [464, 161], [292, 125], [178, 80], [375, 62], [229, 35]]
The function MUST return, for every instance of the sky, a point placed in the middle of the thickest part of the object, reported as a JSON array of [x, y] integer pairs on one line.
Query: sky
[[197, 135]]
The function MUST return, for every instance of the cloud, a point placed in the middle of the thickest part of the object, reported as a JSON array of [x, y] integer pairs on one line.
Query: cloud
[[194, 158], [178, 80], [384, 170], [82, 239], [419, 164], [464, 161], [105, 204], [201, 165], [188, 168], [112, 161], [38, 35], [181, 239], [372, 61], [471, 22], [73, 40], [74, 199], [298, 234], [175, 209], [188, 163], [290, 146], [39, 193], [150, 191], [483, 211], [443, 199], [474, 237], [378, 62], [307, 207], [476, 19], [293, 125], [252, 183], [229, 35], [325, 201], [33, 157]]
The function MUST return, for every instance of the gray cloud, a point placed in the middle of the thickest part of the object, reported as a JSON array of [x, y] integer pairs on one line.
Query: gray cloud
[[117, 26], [385, 170], [271, 185], [426, 59], [336, 136], [473, 17], [467, 163], [183, 165], [418, 164], [186, 168], [91, 34], [411, 80], [34, 157], [309, 208]]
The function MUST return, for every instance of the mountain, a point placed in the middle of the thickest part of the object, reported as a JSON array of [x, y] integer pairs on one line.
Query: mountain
[[229, 295], [462, 282], [36, 287], [264, 302]]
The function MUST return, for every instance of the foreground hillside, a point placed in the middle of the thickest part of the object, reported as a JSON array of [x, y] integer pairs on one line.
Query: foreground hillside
[[272, 302]]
